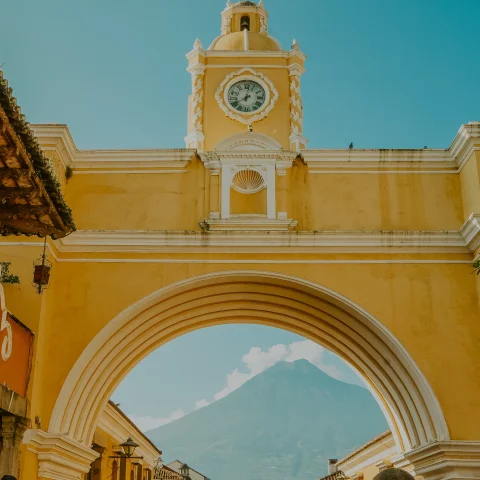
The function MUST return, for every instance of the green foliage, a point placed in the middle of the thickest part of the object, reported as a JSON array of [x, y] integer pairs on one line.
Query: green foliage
[[6, 276], [68, 173], [476, 266]]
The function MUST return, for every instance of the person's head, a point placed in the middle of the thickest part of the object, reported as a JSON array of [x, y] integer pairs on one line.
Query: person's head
[[393, 474], [9, 477]]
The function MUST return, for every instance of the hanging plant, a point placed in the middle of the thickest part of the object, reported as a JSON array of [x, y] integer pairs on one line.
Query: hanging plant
[[476, 266], [6, 276]]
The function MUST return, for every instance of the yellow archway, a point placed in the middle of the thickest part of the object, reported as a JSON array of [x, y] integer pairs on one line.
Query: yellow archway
[[410, 406]]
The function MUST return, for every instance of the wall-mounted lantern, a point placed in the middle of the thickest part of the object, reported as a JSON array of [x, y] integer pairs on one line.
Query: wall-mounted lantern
[[41, 271], [128, 448]]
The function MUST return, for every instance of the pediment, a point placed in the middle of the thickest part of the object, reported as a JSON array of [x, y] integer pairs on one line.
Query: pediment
[[248, 141]]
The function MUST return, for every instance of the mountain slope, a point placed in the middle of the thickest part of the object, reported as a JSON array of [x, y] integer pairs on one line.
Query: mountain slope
[[282, 424]]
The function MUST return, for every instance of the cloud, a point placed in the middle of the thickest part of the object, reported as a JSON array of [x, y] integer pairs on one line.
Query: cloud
[[257, 361], [201, 403], [149, 423]]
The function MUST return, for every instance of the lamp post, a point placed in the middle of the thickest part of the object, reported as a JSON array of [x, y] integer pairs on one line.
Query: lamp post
[[128, 448]]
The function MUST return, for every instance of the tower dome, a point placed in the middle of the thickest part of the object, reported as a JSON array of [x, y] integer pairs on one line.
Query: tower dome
[[245, 27]]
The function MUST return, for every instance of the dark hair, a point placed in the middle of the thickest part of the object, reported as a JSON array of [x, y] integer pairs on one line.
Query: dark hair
[[393, 474], [9, 477]]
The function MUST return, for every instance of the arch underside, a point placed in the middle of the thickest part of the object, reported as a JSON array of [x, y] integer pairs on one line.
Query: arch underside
[[409, 404]]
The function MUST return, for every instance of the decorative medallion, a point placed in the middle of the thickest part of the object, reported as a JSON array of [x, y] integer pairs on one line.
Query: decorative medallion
[[246, 96]]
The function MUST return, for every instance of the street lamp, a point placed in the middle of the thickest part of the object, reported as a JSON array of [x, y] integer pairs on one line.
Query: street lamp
[[128, 448]]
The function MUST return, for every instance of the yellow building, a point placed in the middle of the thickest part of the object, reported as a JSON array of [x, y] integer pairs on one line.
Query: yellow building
[[367, 252], [367, 461], [113, 429]]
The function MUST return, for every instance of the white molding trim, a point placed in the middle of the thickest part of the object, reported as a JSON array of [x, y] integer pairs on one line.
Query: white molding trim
[[254, 223], [447, 460], [58, 138], [254, 53], [220, 236], [471, 232], [376, 161], [247, 73], [465, 144], [401, 161], [59, 456], [113, 423]]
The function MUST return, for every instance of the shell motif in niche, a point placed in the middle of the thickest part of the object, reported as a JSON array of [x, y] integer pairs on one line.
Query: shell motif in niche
[[248, 181]]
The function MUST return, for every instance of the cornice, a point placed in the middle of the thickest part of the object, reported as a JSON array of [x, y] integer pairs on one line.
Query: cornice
[[113, 423], [58, 138], [375, 161], [471, 232], [224, 239], [450, 160], [250, 53], [442, 161], [247, 157], [465, 143], [111, 160], [446, 460]]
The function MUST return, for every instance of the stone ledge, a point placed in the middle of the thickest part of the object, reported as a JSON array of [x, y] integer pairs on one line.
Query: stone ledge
[[447, 460], [251, 224]]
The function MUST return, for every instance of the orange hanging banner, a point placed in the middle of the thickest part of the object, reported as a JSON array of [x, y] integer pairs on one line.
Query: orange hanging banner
[[16, 345]]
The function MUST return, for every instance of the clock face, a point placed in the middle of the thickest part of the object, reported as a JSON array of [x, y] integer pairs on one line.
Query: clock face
[[246, 96]]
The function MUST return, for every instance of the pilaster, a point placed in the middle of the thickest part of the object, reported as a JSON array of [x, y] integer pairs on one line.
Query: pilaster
[[214, 194], [13, 429], [296, 70], [196, 138], [59, 457]]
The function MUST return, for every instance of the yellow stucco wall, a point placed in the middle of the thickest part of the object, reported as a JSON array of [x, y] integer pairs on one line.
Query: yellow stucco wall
[[178, 201], [374, 202], [431, 309]]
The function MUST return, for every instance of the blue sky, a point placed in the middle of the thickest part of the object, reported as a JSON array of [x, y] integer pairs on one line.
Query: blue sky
[[386, 74], [383, 74]]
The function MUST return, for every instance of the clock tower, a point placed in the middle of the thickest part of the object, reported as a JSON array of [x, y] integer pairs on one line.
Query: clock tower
[[245, 117]]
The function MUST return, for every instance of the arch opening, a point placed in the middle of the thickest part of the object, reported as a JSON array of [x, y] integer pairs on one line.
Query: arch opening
[[408, 402]]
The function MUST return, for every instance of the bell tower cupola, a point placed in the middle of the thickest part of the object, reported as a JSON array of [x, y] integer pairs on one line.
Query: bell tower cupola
[[245, 27], [245, 118]]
